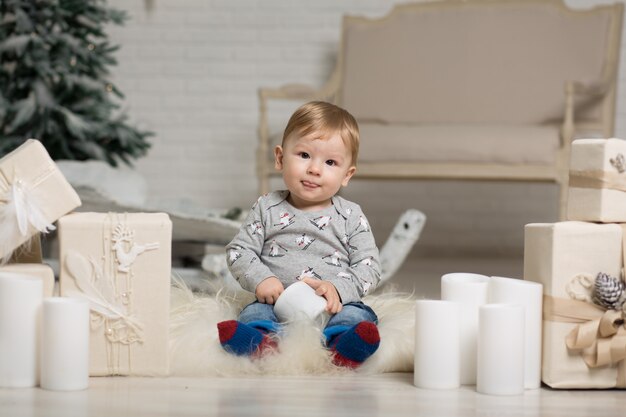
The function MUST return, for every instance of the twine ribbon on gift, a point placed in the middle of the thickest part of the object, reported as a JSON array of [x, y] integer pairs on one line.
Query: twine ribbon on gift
[[600, 335], [597, 179]]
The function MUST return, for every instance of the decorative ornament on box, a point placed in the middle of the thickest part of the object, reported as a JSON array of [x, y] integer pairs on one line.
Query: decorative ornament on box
[[33, 195], [609, 292], [600, 335], [121, 264]]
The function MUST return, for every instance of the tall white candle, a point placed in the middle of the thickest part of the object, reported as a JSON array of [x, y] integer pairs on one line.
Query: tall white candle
[[470, 291], [20, 314], [437, 346], [530, 295], [500, 366], [65, 344]]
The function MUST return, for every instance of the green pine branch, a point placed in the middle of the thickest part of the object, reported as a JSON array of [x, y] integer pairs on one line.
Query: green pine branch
[[55, 61]]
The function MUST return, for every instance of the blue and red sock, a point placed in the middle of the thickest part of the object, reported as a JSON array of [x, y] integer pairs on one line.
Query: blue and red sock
[[243, 340], [352, 347]]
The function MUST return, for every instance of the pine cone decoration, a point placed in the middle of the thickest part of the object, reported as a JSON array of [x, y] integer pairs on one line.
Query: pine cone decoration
[[609, 292]]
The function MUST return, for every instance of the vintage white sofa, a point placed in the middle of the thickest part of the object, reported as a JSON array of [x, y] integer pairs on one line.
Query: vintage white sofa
[[477, 89]]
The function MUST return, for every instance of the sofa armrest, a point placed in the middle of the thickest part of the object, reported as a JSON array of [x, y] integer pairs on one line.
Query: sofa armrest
[[578, 88], [587, 89]]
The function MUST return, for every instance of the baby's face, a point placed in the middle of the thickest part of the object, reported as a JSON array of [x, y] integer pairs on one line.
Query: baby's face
[[314, 169]]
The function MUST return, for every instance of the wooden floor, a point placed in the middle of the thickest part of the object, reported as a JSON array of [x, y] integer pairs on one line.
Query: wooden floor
[[345, 396]]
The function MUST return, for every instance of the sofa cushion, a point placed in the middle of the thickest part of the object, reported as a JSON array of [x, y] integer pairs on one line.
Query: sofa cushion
[[459, 143]]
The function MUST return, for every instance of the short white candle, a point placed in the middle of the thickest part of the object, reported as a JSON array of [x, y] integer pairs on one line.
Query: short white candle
[[470, 291], [21, 297], [500, 366], [529, 295], [437, 345], [65, 344]]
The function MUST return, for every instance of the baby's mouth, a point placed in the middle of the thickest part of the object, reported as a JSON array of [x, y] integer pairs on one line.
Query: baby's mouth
[[309, 184]]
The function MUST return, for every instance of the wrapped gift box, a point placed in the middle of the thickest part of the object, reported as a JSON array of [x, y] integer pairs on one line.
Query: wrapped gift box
[[33, 195], [34, 270], [121, 263], [597, 185], [564, 257]]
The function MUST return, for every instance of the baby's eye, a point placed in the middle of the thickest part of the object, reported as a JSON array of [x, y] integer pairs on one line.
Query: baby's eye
[[304, 155], [331, 163]]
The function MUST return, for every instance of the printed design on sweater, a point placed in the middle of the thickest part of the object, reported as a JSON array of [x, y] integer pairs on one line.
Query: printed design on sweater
[[277, 250], [345, 213], [308, 273], [366, 284], [333, 259], [366, 261], [345, 241], [362, 227], [234, 254], [366, 287], [286, 220], [321, 222], [256, 227], [304, 241]]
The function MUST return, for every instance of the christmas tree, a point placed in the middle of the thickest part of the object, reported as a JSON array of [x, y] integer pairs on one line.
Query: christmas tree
[[55, 58]]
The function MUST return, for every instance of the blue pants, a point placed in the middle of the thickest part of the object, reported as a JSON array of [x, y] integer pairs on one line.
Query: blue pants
[[261, 316]]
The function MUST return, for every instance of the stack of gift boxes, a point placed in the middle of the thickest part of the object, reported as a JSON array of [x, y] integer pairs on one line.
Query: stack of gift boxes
[[580, 264], [117, 264]]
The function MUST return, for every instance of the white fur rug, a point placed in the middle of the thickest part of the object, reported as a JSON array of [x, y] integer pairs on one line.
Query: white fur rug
[[195, 349]]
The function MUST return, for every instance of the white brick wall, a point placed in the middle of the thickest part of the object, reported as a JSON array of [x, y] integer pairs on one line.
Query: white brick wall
[[190, 71]]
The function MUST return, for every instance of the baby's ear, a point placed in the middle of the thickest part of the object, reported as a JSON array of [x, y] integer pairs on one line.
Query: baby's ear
[[278, 157], [349, 175]]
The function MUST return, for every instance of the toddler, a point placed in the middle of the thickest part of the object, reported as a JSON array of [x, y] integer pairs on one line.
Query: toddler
[[308, 233]]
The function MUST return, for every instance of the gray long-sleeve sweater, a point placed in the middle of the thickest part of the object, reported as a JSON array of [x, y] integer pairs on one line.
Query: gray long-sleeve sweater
[[335, 244]]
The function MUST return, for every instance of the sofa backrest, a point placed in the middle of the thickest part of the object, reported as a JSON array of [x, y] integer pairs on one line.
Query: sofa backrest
[[477, 61]]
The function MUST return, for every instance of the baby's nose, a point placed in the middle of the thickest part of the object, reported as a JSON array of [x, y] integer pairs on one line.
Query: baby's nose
[[313, 168]]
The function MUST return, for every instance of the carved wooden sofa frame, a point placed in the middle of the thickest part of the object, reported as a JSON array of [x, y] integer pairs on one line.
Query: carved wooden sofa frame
[[469, 90]]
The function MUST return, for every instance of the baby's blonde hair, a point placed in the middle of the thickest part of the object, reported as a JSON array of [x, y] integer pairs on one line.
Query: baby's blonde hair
[[324, 119]]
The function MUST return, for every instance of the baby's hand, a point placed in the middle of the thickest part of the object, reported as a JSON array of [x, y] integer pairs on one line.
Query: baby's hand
[[327, 290], [268, 290]]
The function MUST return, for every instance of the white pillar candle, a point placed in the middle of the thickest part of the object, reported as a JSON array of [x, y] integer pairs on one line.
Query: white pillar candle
[[65, 344], [529, 295], [20, 312], [500, 366], [437, 346], [470, 291]]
